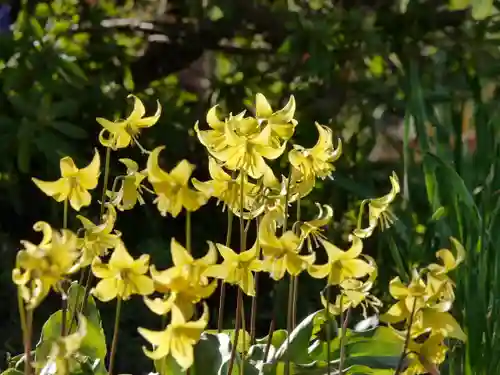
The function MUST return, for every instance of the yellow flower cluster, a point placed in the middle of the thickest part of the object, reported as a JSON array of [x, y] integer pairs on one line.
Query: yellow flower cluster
[[241, 151], [423, 306]]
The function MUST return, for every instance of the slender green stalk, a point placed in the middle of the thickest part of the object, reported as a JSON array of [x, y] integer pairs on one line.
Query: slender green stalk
[[295, 280], [24, 328], [399, 369], [106, 178], [240, 295], [222, 296], [27, 342], [345, 321], [243, 327], [328, 333], [114, 343], [65, 214], [253, 313], [290, 282], [236, 332], [188, 231]]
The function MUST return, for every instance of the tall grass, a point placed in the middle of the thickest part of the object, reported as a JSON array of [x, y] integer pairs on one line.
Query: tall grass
[[462, 199]]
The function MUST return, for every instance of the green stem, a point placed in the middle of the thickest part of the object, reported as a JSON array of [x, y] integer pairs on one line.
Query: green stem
[[27, 342], [22, 318], [188, 231], [399, 369], [240, 295], [329, 325], [65, 214], [222, 296], [115, 335], [289, 320], [253, 312], [106, 178], [295, 282], [243, 327], [344, 321]]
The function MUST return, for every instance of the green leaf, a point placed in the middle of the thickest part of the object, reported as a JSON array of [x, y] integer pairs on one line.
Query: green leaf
[[12, 371], [482, 9], [296, 346], [94, 343], [210, 353]]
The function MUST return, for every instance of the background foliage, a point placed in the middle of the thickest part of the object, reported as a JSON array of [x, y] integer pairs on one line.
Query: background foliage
[[409, 86]]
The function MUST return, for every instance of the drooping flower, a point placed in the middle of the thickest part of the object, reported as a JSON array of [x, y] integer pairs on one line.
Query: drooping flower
[[281, 254], [119, 134], [184, 284], [172, 189], [316, 161], [378, 210], [281, 122], [342, 265], [311, 230], [237, 268], [177, 340], [122, 276], [131, 188], [40, 268], [74, 183], [97, 238]]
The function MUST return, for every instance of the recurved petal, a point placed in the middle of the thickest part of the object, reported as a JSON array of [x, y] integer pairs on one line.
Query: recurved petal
[[155, 338], [210, 257], [397, 289], [286, 113], [120, 259], [160, 306], [227, 253], [67, 167], [182, 351], [263, 109], [443, 322], [155, 173], [131, 165], [138, 111], [356, 268], [396, 313], [59, 189], [143, 285], [106, 290], [147, 122], [89, 176], [111, 126], [180, 255], [319, 271], [140, 266], [213, 120]]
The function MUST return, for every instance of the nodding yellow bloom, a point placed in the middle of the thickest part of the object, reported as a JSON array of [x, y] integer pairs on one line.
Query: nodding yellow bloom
[[119, 134], [438, 280], [172, 189], [378, 210], [316, 161], [98, 238], [237, 268], [312, 230], [281, 122], [424, 358], [354, 293], [63, 349], [281, 254], [177, 340], [226, 189], [74, 183], [246, 146], [42, 267], [184, 283], [131, 188], [342, 265], [214, 138], [122, 276], [429, 315]]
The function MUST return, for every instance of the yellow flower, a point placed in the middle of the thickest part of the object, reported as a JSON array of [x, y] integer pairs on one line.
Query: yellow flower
[[40, 268], [354, 293], [122, 276], [378, 210], [281, 122], [214, 138], [437, 278], [98, 239], [131, 187], [316, 161], [312, 230], [424, 358], [172, 189], [120, 134], [184, 282], [177, 340], [246, 146], [237, 269], [74, 183], [281, 254], [63, 350], [342, 265], [428, 316], [225, 188]]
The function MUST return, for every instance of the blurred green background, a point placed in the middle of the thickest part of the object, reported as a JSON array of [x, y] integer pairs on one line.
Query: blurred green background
[[408, 85]]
